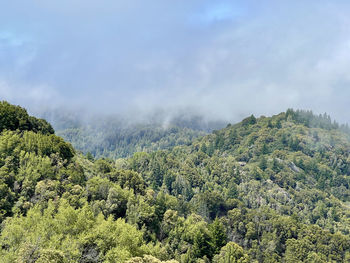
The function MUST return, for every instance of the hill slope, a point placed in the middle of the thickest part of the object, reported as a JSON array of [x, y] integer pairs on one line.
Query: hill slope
[[118, 137], [264, 190]]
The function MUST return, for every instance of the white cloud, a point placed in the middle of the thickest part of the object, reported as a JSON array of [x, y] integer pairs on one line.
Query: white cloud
[[226, 59]]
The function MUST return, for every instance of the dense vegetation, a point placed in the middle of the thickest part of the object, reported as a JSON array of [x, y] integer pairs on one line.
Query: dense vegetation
[[118, 142], [16, 118], [264, 190], [116, 137]]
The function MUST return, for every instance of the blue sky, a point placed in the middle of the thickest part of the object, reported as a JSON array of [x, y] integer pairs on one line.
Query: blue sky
[[226, 59]]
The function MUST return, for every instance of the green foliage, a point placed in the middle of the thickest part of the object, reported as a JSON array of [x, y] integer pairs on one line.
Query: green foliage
[[263, 190], [33, 166], [231, 253], [148, 259], [16, 118], [123, 140], [61, 233], [218, 235], [250, 120]]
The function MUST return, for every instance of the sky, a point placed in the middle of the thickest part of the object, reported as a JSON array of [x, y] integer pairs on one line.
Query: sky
[[225, 59]]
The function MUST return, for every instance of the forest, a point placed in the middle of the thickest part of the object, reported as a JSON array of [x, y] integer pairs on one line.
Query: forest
[[116, 136], [267, 189]]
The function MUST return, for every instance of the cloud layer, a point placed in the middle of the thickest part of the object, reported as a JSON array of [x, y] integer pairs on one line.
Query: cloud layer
[[226, 59]]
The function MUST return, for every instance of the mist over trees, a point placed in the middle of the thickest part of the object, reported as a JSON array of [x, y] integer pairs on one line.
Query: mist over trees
[[116, 136]]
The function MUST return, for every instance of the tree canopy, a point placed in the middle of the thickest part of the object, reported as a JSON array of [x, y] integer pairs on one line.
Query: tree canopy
[[268, 189]]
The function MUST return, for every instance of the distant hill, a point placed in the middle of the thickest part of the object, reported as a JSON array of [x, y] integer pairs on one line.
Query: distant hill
[[117, 137]]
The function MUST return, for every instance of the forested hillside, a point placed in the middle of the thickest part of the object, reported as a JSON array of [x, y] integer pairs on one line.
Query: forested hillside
[[268, 189], [118, 137], [115, 142]]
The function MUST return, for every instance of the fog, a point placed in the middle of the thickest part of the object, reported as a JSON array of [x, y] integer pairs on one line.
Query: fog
[[221, 59]]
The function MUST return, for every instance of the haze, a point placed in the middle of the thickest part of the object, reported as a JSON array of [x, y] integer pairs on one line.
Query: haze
[[225, 59]]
